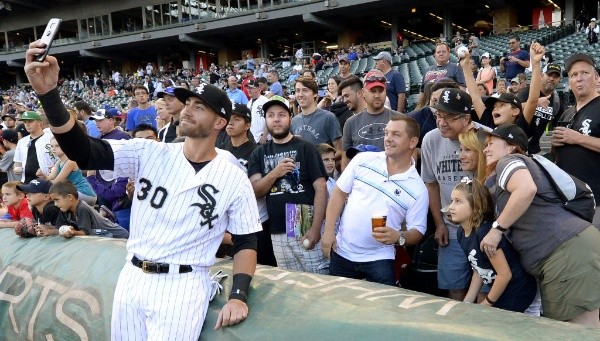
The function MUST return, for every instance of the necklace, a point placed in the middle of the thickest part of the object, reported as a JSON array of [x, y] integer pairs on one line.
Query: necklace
[[309, 119]]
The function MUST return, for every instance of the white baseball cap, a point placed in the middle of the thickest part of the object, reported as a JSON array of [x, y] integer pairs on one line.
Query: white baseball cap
[[485, 55], [593, 19]]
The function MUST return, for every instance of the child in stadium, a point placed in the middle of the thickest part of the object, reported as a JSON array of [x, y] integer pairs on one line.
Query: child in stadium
[[16, 204], [512, 288], [77, 218], [65, 169], [41, 205]]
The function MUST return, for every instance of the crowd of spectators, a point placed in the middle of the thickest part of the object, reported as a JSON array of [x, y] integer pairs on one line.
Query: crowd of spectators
[[286, 142]]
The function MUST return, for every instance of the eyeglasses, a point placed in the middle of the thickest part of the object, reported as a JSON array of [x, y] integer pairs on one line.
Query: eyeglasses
[[512, 42], [375, 79], [447, 118]]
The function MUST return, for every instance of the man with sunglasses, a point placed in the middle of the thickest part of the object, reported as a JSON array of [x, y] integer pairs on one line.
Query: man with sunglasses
[[367, 127], [516, 61], [441, 171]]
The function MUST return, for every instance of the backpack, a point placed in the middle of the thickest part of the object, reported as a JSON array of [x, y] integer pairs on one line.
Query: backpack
[[577, 197]]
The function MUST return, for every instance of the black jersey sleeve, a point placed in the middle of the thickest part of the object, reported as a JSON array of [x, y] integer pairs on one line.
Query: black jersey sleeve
[[86, 151]]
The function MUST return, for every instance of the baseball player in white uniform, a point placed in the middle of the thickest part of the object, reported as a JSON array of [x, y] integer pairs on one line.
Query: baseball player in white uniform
[[177, 221]]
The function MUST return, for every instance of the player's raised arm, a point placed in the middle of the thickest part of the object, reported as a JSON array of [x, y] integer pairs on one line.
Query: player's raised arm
[[43, 77]]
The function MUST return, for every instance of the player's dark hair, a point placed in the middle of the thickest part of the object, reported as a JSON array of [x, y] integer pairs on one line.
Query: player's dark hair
[[64, 188], [144, 127]]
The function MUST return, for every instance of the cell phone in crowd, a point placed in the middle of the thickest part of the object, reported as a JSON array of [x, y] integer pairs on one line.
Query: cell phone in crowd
[[48, 37]]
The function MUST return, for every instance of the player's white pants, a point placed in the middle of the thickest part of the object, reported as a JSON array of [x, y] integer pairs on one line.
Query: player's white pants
[[159, 306]]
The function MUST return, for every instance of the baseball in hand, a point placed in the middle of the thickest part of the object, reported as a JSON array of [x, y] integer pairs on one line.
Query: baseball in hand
[[306, 243], [64, 230], [461, 52]]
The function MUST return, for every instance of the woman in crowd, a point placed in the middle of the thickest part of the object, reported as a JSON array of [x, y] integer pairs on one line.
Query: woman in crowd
[[486, 74], [332, 94], [556, 246]]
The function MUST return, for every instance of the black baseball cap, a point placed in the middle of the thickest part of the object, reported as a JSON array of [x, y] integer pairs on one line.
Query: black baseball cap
[[38, 185], [553, 68], [506, 98], [510, 133], [241, 110], [579, 57], [253, 83], [8, 115], [10, 135], [454, 101], [170, 91], [215, 98]]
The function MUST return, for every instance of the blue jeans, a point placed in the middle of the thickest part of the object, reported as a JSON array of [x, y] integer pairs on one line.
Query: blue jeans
[[379, 271]]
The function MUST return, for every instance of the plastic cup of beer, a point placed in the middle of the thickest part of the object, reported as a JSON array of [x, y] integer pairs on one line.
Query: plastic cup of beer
[[378, 219]]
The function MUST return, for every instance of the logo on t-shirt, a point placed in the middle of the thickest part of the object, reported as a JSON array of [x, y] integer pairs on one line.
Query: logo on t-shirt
[[373, 131]]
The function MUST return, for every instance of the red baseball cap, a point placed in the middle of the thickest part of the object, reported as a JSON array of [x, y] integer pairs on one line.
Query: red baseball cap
[[374, 78]]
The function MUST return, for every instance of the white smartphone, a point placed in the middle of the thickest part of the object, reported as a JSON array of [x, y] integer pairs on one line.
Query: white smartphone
[[48, 37]]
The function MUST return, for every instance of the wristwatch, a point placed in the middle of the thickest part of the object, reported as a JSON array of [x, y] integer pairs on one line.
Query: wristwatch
[[401, 240], [497, 226]]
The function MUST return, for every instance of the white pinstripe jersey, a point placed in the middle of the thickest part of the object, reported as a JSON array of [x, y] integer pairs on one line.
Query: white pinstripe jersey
[[178, 216]]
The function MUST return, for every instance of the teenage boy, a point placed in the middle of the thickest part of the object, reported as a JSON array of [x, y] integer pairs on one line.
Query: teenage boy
[[78, 218], [237, 129], [16, 204], [45, 213]]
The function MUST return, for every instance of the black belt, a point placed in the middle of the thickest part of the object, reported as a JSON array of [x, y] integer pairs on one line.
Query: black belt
[[157, 268]]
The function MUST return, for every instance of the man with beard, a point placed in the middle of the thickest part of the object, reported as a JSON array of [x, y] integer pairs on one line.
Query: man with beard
[[352, 94], [289, 172], [164, 288], [368, 126]]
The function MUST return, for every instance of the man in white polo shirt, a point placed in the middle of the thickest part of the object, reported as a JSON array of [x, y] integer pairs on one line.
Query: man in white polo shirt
[[385, 182]]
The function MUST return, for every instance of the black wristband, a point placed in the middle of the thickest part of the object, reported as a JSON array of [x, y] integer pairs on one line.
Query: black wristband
[[240, 286], [54, 108], [492, 303]]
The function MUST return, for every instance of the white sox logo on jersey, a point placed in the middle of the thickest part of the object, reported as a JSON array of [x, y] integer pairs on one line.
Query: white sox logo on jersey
[[208, 207]]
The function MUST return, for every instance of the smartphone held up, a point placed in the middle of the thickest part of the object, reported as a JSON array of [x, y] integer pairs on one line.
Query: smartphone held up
[[48, 37]]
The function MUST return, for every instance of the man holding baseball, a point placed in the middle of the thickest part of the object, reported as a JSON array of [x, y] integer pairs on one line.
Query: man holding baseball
[[177, 222], [289, 172]]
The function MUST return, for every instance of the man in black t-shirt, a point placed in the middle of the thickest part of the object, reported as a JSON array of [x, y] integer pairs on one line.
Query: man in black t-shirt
[[577, 139], [289, 172]]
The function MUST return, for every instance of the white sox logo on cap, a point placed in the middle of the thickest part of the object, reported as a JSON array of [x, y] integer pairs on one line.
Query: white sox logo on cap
[[446, 96]]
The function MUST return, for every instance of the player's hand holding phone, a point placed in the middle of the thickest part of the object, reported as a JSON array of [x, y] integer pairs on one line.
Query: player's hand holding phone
[[40, 68]]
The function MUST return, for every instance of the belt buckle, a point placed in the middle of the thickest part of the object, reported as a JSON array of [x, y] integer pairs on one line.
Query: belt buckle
[[147, 267]]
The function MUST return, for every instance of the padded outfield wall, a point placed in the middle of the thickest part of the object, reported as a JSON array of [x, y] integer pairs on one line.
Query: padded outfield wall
[[57, 289]]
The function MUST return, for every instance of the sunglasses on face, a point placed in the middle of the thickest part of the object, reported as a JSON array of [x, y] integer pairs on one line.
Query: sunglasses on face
[[375, 79]]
